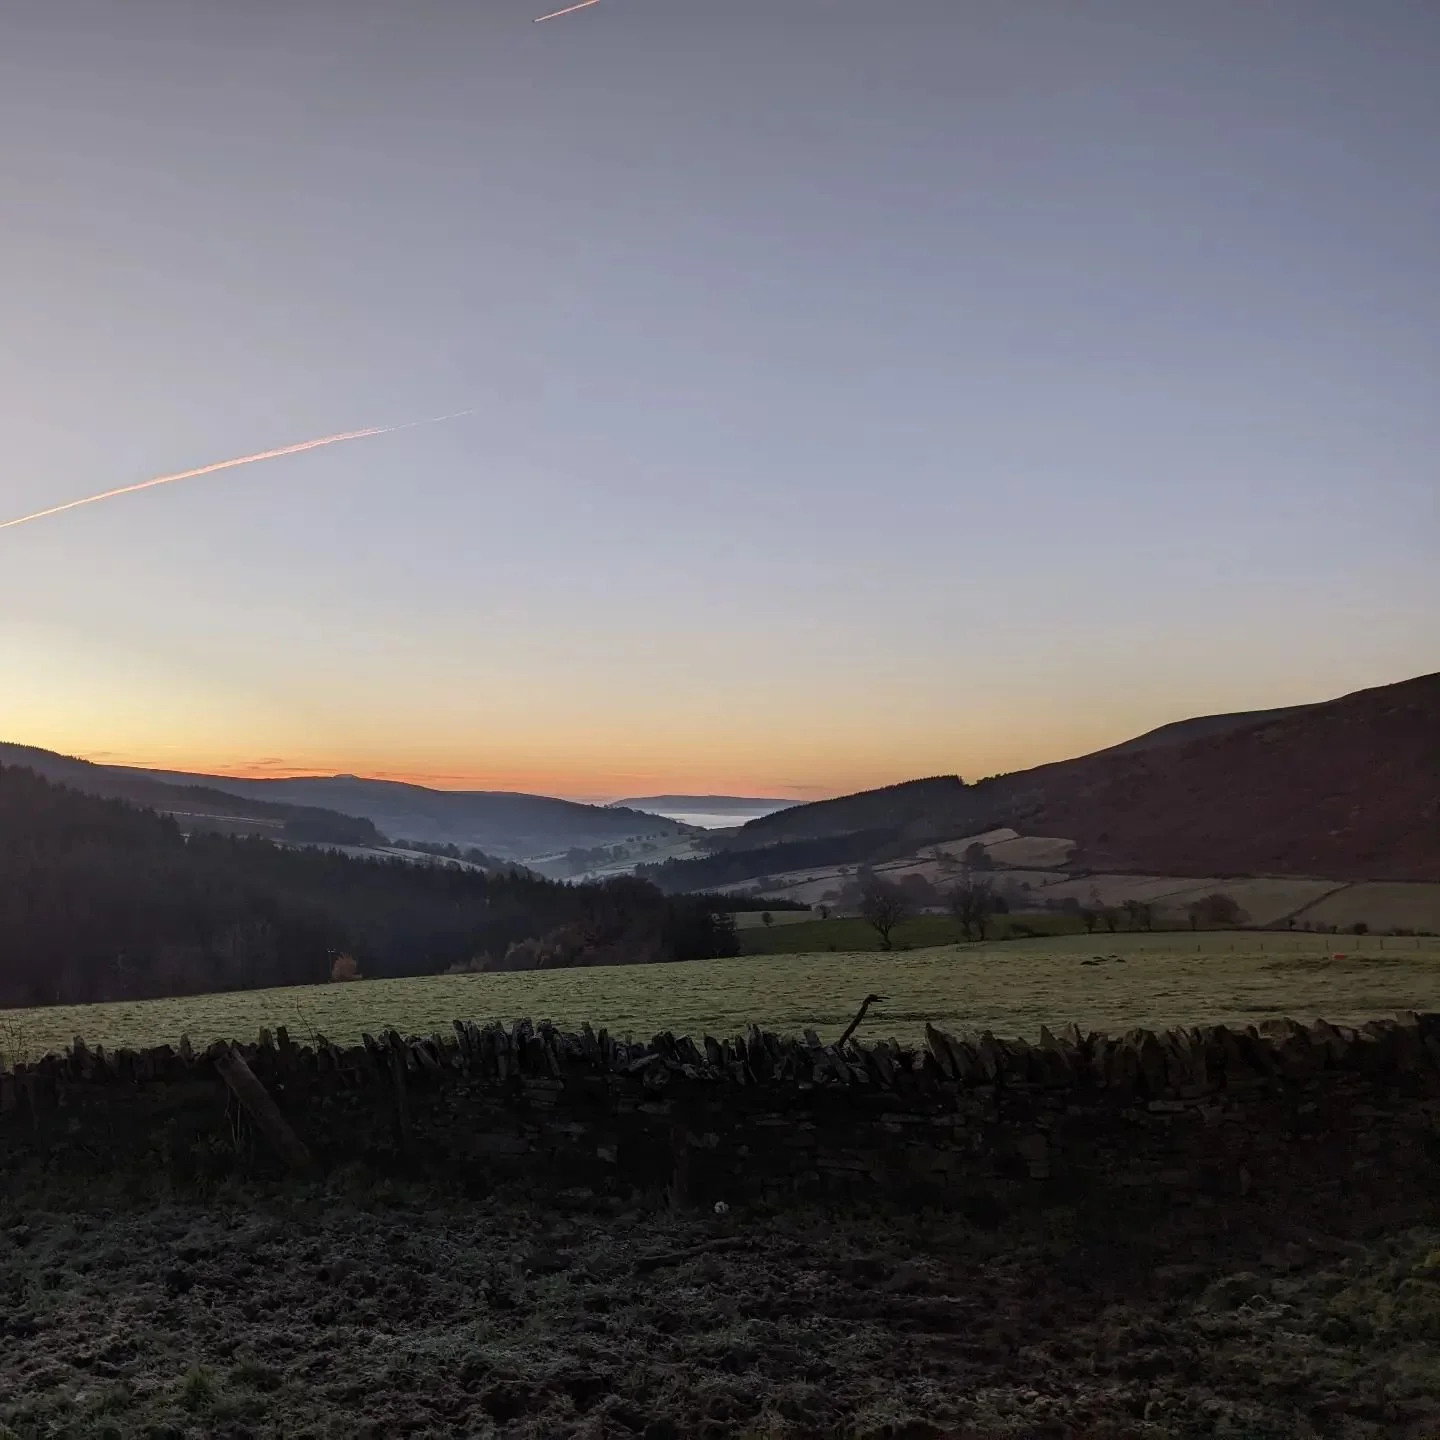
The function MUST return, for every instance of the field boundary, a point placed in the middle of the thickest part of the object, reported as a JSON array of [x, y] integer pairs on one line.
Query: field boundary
[[1322, 1115]]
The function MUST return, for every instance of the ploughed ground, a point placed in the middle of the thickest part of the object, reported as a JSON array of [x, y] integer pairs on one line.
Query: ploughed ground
[[361, 1308]]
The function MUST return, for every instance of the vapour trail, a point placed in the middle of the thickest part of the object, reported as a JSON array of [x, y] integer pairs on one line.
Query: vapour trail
[[568, 10], [296, 449]]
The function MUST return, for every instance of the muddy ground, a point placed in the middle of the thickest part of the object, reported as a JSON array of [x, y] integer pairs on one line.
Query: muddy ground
[[365, 1309]]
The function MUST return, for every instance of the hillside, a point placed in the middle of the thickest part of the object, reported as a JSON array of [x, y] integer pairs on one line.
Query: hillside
[[344, 809], [1347, 789], [915, 807], [1182, 732], [101, 900], [195, 802], [511, 825]]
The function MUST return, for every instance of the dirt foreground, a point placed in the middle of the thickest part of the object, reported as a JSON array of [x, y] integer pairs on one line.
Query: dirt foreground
[[373, 1310]]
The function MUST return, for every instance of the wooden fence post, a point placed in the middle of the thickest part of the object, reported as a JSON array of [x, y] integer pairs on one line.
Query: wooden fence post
[[258, 1105]]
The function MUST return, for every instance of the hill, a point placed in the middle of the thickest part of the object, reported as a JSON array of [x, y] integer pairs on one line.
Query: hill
[[1182, 732], [101, 900], [196, 804], [509, 824], [1346, 789], [346, 809], [912, 808]]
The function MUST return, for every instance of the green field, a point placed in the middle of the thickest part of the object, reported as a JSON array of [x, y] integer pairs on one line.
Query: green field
[[1012, 988], [796, 933]]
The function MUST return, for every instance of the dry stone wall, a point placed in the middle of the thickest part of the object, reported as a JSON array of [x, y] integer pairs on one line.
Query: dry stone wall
[[1324, 1122]]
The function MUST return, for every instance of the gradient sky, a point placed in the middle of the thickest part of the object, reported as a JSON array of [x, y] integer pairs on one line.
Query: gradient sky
[[862, 390]]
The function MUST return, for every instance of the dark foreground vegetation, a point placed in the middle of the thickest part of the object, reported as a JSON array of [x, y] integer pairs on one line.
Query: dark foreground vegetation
[[101, 901], [363, 1308]]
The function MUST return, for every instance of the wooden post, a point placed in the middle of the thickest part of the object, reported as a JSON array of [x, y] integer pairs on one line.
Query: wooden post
[[854, 1025], [258, 1105]]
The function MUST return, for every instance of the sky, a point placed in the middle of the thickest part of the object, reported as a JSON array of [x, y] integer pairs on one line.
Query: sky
[[859, 390]]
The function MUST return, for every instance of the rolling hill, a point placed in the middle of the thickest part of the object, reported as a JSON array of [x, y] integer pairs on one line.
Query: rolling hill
[[196, 802], [508, 824], [1347, 789], [103, 900], [925, 807], [345, 809]]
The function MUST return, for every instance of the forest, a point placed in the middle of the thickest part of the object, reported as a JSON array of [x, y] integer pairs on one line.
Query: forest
[[100, 900]]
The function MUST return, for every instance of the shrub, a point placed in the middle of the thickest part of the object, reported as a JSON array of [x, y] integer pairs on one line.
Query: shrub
[[345, 967], [198, 1391]]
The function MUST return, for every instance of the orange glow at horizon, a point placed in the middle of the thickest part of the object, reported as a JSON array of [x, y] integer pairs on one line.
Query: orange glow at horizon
[[564, 783], [615, 774]]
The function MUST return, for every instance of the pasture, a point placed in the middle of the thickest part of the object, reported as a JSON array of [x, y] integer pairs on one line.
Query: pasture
[[1100, 982], [805, 933]]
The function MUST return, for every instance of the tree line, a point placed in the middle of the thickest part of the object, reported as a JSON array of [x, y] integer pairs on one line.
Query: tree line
[[734, 867], [973, 903], [100, 900]]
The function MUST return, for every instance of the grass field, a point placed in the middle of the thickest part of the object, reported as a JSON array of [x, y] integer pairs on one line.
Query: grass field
[[1103, 982], [806, 935]]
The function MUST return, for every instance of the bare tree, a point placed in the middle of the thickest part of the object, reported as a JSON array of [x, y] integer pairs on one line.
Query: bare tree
[[973, 903], [1139, 914], [883, 906], [1089, 918], [1215, 911], [920, 892]]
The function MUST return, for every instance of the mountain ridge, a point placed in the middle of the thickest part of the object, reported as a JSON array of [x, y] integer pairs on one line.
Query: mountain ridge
[[1346, 788], [510, 825]]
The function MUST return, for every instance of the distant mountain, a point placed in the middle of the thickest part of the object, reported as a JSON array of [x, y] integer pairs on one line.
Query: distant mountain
[[503, 823], [195, 801], [1347, 789]]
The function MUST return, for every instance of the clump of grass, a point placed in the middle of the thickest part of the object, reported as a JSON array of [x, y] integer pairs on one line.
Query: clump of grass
[[251, 1375], [198, 1390], [112, 1401]]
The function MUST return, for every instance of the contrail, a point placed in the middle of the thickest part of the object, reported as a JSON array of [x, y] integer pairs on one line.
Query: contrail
[[568, 10], [297, 449]]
